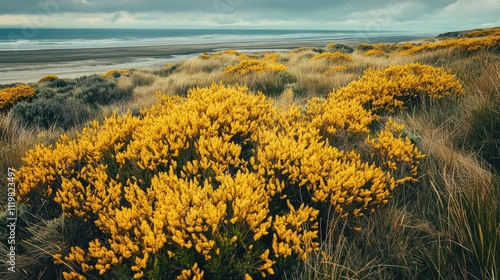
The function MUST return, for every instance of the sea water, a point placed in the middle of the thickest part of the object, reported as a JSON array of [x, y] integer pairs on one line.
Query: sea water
[[43, 39]]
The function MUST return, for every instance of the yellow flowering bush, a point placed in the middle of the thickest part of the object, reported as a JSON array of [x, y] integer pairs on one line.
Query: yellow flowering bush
[[375, 52], [220, 183], [248, 66], [468, 43], [336, 57], [388, 89], [115, 72], [9, 96], [48, 78], [271, 57], [205, 56], [397, 153], [336, 69], [330, 46]]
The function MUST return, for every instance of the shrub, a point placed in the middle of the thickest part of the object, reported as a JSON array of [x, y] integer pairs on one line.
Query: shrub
[[249, 66], [11, 95], [364, 47], [375, 52], [58, 83], [234, 189], [261, 75], [59, 111], [115, 73], [337, 57], [167, 70], [333, 47], [142, 80], [48, 78], [396, 86], [271, 57], [336, 69], [205, 56], [96, 90]]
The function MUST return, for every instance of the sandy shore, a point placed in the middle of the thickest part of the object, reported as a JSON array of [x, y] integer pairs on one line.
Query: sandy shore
[[31, 65]]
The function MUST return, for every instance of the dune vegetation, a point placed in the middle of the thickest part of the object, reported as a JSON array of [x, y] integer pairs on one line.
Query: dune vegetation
[[370, 161]]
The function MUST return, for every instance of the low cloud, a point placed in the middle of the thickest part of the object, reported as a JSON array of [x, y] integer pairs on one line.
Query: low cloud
[[115, 17], [318, 14]]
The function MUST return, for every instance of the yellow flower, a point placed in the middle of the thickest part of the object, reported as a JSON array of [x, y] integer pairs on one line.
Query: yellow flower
[[11, 95]]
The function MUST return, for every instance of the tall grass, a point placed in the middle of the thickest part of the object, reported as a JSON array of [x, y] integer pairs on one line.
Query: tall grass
[[447, 225]]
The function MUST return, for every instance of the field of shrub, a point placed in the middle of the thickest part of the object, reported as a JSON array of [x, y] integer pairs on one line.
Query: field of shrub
[[344, 162]]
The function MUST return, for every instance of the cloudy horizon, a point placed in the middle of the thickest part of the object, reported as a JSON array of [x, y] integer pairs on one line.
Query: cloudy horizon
[[376, 15]]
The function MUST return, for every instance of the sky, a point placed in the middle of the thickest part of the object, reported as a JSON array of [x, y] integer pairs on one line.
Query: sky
[[362, 15]]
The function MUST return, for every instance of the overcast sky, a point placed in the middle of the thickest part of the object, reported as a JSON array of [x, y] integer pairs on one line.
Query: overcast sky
[[366, 15]]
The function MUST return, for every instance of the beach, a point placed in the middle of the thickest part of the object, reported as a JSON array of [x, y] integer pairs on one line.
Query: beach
[[25, 66]]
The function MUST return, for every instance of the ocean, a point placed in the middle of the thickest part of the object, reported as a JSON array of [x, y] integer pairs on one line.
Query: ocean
[[46, 39]]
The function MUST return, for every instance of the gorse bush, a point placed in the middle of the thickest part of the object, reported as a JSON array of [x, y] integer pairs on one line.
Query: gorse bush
[[337, 57], [393, 88], [336, 69], [115, 73], [336, 47], [254, 66], [375, 52], [9, 96], [48, 78], [266, 75], [232, 190]]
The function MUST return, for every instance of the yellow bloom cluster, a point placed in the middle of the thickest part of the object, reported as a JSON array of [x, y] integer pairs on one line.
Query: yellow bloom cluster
[[114, 72], [386, 90], [336, 69], [9, 96], [375, 52], [218, 174], [397, 153], [224, 52], [48, 78], [483, 32], [205, 56], [331, 45], [271, 57], [248, 66], [337, 57], [487, 39], [191, 274]]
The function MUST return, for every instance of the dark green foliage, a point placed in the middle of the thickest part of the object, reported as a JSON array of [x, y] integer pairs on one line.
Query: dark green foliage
[[166, 71], [61, 111], [58, 83], [341, 48], [275, 85], [140, 80], [484, 135], [97, 90], [68, 103]]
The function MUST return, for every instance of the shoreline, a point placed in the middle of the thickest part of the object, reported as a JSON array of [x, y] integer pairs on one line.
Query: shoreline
[[30, 65]]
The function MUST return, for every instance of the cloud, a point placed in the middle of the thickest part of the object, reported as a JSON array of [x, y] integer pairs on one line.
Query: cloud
[[319, 14], [90, 20], [116, 17], [14, 19]]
